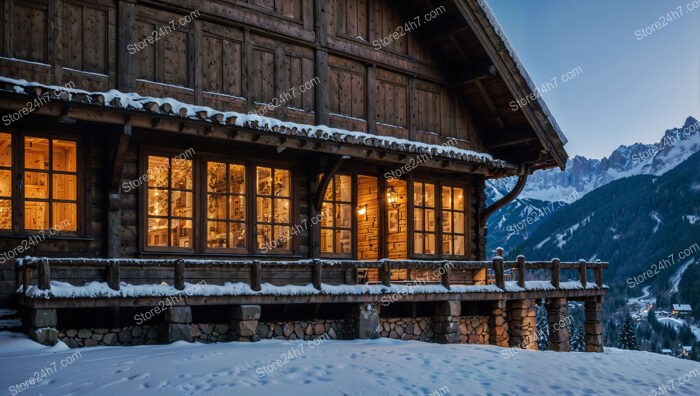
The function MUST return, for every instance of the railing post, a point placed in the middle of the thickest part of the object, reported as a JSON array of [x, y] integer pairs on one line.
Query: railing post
[[316, 274], [113, 275], [26, 276], [44, 274], [256, 276], [385, 273], [555, 272], [582, 272], [180, 274], [521, 271], [446, 275], [18, 275], [598, 273], [498, 272]]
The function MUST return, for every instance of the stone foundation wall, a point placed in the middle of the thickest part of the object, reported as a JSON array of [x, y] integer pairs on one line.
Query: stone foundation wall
[[209, 333], [129, 335], [474, 329], [300, 330], [418, 329]]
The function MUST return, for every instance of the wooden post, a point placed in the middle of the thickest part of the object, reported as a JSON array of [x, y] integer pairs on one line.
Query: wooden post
[[521, 271], [316, 274], [256, 276], [499, 251], [126, 34], [385, 273], [598, 274], [498, 272], [179, 274], [582, 272], [446, 274], [27, 276], [555, 273], [113, 275], [44, 275], [18, 275]]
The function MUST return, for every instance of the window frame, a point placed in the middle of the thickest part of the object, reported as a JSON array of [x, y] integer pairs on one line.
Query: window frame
[[18, 171], [353, 217], [467, 227], [411, 216], [199, 218]]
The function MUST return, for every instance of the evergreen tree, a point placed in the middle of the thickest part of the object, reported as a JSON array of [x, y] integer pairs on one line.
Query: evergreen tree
[[627, 339], [542, 329], [655, 347], [610, 335], [686, 336], [577, 337]]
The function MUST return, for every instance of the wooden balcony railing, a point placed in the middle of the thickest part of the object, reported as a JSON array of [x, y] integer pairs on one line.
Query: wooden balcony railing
[[301, 272]]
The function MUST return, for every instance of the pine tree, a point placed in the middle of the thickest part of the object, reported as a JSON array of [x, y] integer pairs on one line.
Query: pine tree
[[542, 329], [577, 337], [655, 347], [611, 333], [627, 339]]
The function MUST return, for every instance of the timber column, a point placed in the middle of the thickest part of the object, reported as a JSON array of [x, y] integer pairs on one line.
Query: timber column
[[558, 319], [498, 325], [446, 322], [594, 324], [522, 324]]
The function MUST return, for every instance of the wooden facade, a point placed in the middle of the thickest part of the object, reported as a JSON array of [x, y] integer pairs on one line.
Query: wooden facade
[[269, 130]]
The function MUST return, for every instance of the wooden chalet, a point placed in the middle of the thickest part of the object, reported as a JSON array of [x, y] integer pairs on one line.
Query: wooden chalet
[[269, 169]]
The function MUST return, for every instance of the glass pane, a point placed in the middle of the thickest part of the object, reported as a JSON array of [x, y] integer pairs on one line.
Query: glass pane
[[182, 174], [216, 234], [157, 202], [5, 149], [429, 196], [265, 210], [5, 183], [216, 207], [282, 182], [447, 244], [157, 232], [343, 188], [343, 216], [63, 155], [65, 216], [181, 204], [459, 245], [264, 236], [429, 243], [5, 214], [282, 236], [157, 171], [282, 211], [327, 241], [459, 199], [328, 195], [36, 185], [418, 220], [237, 207], [430, 220], [459, 222], [326, 215], [181, 233], [418, 194], [418, 243], [237, 179], [237, 235], [216, 177], [36, 153], [264, 176], [343, 241], [447, 221], [65, 187], [36, 215], [446, 198]]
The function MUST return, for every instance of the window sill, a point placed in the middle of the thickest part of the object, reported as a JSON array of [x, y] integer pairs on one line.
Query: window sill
[[49, 237], [224, 255]]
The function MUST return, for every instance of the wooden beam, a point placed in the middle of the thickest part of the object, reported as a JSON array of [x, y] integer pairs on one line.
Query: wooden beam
[[489, 103], [517, 142], [325, 181], [126, 34]]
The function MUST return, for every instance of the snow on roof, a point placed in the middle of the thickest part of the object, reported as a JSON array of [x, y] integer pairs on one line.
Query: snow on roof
[[682, 307], [172, 107]]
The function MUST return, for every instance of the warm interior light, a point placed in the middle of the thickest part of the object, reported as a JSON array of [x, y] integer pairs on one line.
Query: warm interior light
[[362, 211], [392, 197]]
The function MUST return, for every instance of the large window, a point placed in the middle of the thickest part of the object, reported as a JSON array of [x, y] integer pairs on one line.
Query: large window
[[453, 221], [226, 206], [5, 181], [273, 196], [424, 229], [336, 217], [170, 202]]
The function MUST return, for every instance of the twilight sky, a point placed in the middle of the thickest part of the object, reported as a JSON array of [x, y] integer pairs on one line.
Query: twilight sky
[[630, 90]]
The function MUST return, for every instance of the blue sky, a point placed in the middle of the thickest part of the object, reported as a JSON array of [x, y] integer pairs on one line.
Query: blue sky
[[630, 90]]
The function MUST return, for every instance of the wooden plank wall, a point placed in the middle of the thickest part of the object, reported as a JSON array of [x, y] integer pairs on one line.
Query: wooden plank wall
[[232, 56]]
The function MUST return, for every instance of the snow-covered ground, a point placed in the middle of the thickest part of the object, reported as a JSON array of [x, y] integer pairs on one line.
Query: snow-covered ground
[[376, 367]]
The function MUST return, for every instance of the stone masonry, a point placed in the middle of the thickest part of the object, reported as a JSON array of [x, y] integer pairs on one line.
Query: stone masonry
[[522, 324], [498, 324], [446, 322], [558, 319], [594, 324]]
